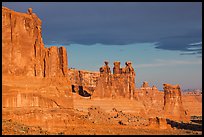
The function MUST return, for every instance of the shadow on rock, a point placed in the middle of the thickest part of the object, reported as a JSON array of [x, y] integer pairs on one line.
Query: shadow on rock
[[186, 126]]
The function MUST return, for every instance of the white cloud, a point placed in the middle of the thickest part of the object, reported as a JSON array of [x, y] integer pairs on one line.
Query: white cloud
[[196, 43], [194, 48]]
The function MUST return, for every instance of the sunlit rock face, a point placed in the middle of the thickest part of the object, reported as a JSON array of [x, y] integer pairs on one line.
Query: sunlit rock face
[[173, 106], [23, 51], [119, 84], [38, 74], [24, 100], [103, 84]]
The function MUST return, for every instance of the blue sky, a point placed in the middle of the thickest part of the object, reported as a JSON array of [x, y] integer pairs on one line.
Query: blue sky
[[163, 40], [153, 65]]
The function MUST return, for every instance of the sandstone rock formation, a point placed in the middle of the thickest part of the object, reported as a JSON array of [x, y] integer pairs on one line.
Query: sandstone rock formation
[[151, 98], [193, 104], [104, 83], [154, 88], [173, 106], [145, 85], [105, 69], [23, 51], [158, 122], [116, 68], [83, 81], [124, 81], [119, 84], [148, 91], [29, 69]]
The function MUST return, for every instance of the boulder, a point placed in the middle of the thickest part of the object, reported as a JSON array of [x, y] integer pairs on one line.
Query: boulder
[[158, 123]]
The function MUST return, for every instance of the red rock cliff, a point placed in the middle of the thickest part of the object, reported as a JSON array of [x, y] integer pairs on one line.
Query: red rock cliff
[[32, 74], [23, 51]]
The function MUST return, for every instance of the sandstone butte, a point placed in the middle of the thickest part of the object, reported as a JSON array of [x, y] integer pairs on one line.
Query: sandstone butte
[[39, 90]]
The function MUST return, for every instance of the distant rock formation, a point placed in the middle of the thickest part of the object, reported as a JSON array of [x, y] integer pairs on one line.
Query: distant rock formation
[[119, 84], [105, 69], [116, 68], [173, 106], [145, 85], [154, 87], [124, 81], [83, 81], [151, 98], [146, 90], [104, 83], [23, 51]]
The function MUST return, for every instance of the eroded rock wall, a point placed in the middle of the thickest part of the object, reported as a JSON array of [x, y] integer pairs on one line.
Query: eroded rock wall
[[28, 64], [151, 98], [82, 78], [23, 51]]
